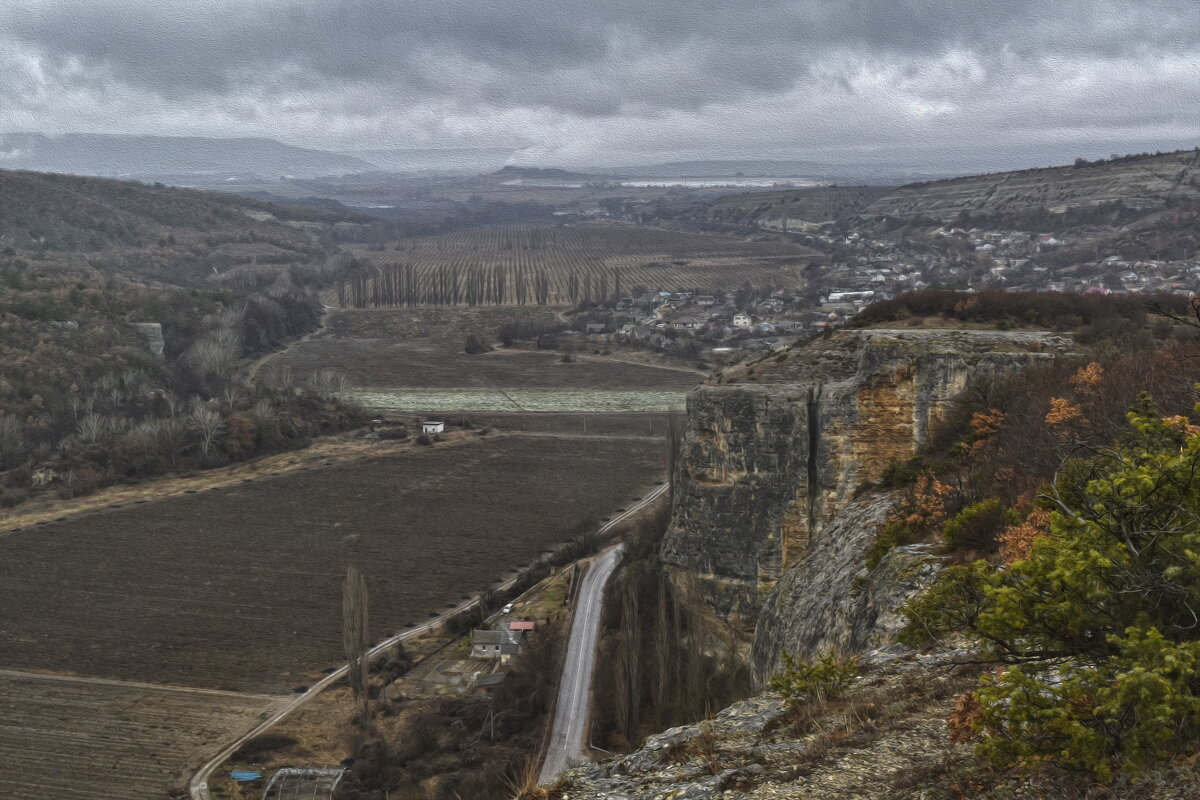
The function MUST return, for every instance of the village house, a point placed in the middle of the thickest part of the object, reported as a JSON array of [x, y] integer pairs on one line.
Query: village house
[[433, 426], [742, 321], [501, 644]]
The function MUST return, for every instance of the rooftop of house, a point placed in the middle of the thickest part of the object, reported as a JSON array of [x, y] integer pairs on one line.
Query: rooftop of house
[[502, 637]]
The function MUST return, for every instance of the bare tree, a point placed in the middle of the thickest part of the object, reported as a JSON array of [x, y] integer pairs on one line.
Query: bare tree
[[172, 434], [354, 633], [12, 439], [232, 397], [628, 668], [214, 355], [92, 429], [209, 424], [665, 638], [328, 384], [674, 448]]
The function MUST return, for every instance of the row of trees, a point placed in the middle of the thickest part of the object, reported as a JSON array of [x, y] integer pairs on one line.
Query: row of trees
[[395, 284], [405, 285]]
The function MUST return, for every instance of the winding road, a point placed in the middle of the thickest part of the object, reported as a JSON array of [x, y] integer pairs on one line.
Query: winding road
[[575, 688]]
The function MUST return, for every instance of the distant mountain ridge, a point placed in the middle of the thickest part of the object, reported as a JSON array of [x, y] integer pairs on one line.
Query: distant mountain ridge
[[106, 155]]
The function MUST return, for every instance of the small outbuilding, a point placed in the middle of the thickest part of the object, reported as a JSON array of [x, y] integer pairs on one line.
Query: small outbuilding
[[433, 426]]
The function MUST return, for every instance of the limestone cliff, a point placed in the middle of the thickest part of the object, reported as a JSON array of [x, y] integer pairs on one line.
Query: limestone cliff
[[769, 461], [829, 600]]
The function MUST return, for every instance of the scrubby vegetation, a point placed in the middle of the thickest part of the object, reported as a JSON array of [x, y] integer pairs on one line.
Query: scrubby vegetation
[[1094, 619], [481, 746], [1069, 505], [827, 677], [1120, 318], [90, 393]]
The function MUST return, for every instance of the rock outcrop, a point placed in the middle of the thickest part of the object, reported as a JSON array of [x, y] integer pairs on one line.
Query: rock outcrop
[[829, 600], [769, 462], [152, 333]]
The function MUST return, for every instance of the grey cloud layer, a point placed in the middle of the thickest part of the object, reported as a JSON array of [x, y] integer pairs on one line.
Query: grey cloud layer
[[573, 75]]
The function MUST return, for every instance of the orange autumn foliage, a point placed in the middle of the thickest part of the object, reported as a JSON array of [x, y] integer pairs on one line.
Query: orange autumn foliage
[[1182, 424], [1017, 540], [926, 506], [1086, 378], [984, 425], [1061, 411], [964, 718]]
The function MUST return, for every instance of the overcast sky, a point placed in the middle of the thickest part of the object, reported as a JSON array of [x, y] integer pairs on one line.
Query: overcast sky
[[609, 81]]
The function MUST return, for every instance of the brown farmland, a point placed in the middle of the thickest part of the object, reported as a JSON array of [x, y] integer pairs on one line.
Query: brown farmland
[[238, 588], [101, 740]]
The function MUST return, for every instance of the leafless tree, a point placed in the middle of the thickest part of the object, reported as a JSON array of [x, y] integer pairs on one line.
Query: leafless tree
[[12, 439], [355, 633], [92, 429], [232, 396], [328, 383], [210, 425], [674, 448], [264, 411], [665, 639], [629, 673], [171, 433], [213, 356]]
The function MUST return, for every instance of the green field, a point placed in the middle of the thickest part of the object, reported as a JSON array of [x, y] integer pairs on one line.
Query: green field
[[536, 400]]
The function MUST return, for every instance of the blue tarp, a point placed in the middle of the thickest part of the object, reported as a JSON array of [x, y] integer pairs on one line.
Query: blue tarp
[[245, 775]]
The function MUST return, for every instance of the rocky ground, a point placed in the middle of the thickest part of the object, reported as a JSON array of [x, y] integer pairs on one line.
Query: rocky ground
[[886, 739]]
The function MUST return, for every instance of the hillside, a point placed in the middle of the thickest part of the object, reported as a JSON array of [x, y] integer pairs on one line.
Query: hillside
[[1132, 185], [818, 204], [178, 236], [126, 311]]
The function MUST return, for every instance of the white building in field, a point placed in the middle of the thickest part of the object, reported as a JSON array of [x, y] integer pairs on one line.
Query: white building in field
[[433, 426]]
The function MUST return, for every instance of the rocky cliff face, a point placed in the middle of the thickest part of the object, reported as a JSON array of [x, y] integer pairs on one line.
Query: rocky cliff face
[[770, 461], [829, 600]]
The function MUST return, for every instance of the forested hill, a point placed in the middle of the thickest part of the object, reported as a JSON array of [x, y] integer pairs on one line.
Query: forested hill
[[1129, 187], [127, 313], [172, 235]]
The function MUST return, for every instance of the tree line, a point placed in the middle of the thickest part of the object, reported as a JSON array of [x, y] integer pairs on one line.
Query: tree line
[[397, 284]]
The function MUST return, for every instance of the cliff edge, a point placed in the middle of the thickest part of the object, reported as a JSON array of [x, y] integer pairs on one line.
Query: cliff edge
[[770, 461]]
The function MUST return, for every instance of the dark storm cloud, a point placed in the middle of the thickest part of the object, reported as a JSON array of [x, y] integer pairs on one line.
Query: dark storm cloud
[[564, 68]]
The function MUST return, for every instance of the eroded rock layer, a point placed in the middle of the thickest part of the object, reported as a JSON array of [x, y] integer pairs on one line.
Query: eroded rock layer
[[769, 461]]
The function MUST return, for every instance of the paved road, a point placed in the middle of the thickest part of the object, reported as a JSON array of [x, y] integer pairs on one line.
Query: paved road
[[574, 691]]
